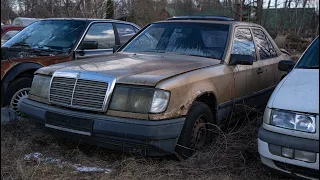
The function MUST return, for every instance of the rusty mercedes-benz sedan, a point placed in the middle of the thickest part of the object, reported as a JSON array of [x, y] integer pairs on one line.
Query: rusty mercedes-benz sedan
[[163, 91]]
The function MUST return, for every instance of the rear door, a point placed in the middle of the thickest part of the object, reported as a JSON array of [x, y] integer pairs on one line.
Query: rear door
[[268, 58]]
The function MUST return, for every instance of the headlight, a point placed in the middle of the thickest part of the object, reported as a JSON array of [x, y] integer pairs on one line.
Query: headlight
[[40, 86], [139, 100], [295, 121]]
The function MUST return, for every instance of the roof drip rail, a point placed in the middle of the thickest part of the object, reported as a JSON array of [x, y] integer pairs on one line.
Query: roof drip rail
[[212, 18]]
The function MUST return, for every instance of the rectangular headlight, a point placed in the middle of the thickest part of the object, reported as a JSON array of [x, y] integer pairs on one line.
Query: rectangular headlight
[[295, 121], [40, 86], [139, 99]]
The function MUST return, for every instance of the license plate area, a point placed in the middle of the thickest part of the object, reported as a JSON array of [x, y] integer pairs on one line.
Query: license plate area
[[68, 123]]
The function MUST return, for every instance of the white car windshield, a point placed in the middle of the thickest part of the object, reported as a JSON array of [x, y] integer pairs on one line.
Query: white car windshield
[[310, 59]]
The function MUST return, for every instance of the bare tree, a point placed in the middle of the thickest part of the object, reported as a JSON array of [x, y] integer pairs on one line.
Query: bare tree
[[302, 16], [267, 15]]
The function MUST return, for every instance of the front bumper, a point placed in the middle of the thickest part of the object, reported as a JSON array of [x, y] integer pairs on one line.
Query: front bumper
[[145, 137], [290, 166]]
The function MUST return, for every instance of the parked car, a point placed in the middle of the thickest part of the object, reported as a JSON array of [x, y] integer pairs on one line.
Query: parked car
[[289, 137], [52, 41], [163, 91], [8, 31]]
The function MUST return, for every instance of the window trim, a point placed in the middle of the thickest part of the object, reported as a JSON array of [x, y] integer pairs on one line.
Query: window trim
[[268, 41]]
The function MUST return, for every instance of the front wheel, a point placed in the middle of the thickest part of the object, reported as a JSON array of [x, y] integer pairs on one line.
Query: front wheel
[[16, 92], [196, 133]]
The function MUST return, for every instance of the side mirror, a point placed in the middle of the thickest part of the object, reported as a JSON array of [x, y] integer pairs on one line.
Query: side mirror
[[286, 65], [240, 59], [115, 48], [89, 45]]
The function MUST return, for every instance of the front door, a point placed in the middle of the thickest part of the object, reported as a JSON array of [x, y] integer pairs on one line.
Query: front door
[[243, 44]]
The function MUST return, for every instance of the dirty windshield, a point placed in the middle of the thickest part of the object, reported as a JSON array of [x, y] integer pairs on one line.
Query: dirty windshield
[[49, 35], [193, 39], [310, 60]]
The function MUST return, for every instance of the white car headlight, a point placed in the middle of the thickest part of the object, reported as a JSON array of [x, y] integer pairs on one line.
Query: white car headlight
[[40, 86], [160, 101], [295, 121]]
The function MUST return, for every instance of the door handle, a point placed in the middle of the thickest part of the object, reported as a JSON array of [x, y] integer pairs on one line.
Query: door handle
[[259, 71]]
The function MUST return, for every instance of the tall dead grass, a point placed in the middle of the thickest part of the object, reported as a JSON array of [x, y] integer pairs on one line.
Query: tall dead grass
[[233, 156]]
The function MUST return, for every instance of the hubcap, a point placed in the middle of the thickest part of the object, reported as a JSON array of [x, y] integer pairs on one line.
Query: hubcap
[[18, 97], [199, 133]]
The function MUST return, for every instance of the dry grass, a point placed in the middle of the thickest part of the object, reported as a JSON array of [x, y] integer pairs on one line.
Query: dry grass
[[233, 156]]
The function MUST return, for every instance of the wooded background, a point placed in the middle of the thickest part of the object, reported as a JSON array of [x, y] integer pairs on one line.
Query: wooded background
[[299, 17]]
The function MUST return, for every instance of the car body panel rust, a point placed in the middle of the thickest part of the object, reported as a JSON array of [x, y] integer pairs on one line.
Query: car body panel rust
[[6, 65]]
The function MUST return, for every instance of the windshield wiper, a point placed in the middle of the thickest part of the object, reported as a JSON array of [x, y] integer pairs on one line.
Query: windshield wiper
[[50, 50], [21, 44], [308, 67]]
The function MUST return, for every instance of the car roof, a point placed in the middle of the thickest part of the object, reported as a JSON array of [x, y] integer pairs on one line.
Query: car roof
[[208, 19], [89, 20]]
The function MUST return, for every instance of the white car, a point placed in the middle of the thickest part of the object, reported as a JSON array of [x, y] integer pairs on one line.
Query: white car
[[288, 140]]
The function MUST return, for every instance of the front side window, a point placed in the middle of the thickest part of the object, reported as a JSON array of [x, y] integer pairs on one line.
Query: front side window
[[266, 49], [49, 35], [125, 32], [310, 59], [193, 39], [243, 43], [101, 33]]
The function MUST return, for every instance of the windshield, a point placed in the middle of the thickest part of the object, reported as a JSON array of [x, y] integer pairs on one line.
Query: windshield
[[48, 35], [194, 39], [310, 59]]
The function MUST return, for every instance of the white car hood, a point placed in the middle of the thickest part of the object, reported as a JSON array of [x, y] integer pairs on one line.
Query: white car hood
[[299, 91]]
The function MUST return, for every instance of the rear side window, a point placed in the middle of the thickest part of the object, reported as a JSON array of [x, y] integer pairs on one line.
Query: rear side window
[[266, 49], [125, 32], [243, 43]]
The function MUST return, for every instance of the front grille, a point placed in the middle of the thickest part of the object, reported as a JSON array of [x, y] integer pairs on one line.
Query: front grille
[[90, 94], [61, 90], [78, 93]]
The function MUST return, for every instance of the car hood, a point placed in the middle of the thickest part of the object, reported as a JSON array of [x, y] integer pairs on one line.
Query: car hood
[[299, 91], [138, 69]]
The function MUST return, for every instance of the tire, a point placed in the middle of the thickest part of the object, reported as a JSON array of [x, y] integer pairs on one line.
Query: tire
[[21, 84], [197, 118]]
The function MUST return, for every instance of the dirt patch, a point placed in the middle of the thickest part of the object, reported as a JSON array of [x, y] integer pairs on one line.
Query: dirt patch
[[233, 156]]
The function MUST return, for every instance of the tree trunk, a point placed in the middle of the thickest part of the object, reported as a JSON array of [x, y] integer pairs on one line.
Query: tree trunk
[[259, 13], [275, 17], [301, 20], [267, 14], [283, 17]]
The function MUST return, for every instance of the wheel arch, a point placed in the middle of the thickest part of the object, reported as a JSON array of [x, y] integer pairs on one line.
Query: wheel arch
[[19, 70], [208, 98]]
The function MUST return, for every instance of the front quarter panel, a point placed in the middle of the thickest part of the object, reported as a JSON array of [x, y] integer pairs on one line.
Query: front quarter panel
[[186, 88]]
